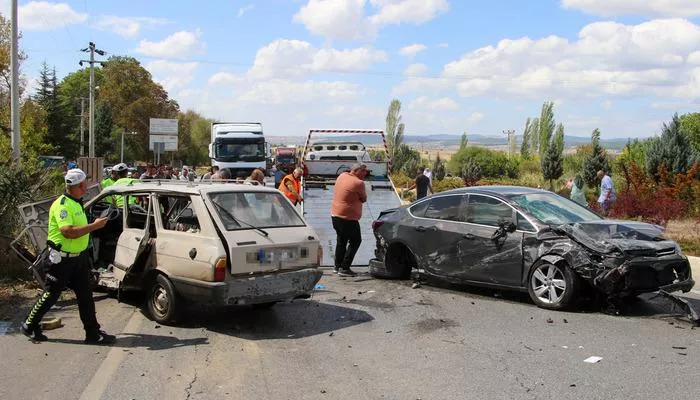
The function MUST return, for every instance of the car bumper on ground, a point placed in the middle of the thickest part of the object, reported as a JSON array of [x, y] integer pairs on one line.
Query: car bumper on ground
[[257, 289]]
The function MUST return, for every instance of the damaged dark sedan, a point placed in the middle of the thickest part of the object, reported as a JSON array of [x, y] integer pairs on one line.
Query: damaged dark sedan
[[529, 240]]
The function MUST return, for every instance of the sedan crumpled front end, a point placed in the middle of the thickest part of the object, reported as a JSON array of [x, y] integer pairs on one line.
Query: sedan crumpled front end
[[623, 259]]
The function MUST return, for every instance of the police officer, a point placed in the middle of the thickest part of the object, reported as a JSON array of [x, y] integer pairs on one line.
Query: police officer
[[67, 264], [122, 171]]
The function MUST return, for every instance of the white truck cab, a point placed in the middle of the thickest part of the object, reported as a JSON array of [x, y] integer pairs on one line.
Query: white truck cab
[[238, 146]]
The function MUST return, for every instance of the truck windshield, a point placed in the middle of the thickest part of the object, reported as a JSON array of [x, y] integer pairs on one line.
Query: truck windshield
[[233, 150], [261, 210]]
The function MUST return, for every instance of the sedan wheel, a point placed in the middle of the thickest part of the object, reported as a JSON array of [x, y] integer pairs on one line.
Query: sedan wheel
[[552, 286]]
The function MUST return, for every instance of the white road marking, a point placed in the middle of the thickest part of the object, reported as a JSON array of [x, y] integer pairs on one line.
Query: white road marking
[[103, 376]]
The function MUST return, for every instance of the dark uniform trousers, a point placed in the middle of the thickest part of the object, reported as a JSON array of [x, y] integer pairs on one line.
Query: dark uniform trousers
[[72, 273], [348, 240]]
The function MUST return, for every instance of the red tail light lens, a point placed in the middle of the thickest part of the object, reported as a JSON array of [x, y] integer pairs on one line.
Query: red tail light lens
[[376, 224], [220, 270]]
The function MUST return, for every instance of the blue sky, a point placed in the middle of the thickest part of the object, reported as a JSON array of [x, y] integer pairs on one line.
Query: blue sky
[[623, 66]]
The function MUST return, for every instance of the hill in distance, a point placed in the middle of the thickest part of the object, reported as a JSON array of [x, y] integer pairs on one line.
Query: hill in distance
[[443, 140]]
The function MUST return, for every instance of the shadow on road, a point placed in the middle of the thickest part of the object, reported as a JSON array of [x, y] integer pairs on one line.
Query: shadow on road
[[141, 340], [649, 305], [293, 320]]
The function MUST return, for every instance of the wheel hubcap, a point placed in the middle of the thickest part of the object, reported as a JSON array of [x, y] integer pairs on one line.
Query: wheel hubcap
[[548, 283], [160, 300]]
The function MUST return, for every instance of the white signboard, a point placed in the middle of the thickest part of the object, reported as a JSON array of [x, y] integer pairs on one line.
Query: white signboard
[[169, 140], [163, 126]]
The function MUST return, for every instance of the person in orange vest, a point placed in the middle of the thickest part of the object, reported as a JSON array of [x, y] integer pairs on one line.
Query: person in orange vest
[[291, 186]]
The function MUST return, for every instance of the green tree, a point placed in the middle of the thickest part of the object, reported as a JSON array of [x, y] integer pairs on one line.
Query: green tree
[[595, 161], [546, 126], [535, 136], [134, 98], [406, 159], [558, 140], [463, 141], [525, 146], [59, 134], [471, 172], [105, 133], [552, 164], [439, 168], [394, 128], [690, 124], [672, 150]]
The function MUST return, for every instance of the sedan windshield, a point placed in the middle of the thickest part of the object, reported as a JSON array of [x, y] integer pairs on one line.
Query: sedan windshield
[[552, 209], [255, 210]]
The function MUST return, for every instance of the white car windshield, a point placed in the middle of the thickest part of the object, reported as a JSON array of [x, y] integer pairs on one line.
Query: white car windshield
[[255, 210]]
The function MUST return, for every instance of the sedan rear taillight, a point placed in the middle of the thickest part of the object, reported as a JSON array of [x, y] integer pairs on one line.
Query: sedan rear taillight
[[220, 270], [376, 224]]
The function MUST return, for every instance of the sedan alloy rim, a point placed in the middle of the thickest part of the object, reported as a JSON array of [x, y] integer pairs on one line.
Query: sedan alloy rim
[[548, 283]]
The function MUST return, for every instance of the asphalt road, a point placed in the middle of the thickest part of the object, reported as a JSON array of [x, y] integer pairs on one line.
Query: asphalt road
[[364, 339]]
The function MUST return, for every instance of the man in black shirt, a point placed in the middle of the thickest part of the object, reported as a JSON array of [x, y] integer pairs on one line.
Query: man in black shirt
[[421, 184]]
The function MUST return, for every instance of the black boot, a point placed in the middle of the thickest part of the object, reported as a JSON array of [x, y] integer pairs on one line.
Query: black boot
[[100, 337], [33, 332]]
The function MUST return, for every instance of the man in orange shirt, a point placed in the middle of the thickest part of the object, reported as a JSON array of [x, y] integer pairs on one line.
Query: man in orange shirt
[[291, 186], [346, 211]]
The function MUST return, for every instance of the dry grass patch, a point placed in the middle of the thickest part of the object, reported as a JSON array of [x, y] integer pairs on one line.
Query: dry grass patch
[[687, 234]]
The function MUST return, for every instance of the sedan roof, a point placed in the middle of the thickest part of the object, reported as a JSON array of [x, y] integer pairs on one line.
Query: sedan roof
[[504, 191]]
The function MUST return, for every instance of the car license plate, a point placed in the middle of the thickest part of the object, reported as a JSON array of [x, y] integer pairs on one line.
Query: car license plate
[[263, 256]]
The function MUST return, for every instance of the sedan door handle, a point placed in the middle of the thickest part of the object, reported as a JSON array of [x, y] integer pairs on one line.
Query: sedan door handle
[[138, 239], [468, 236], [420, 228]]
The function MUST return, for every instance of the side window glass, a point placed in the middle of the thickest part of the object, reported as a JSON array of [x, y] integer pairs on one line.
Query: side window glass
[[354, 147], [445, 207], [486, 210], [178, 214], [419, 209], [524, 225], [342, 147], [136, 214]]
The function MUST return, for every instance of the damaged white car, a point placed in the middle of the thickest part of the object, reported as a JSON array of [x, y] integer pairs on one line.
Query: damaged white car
[[213, 243]]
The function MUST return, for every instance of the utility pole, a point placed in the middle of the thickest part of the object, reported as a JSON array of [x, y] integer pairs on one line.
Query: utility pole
[[14, 90], [91, 130], [82, 127], [511, 137]]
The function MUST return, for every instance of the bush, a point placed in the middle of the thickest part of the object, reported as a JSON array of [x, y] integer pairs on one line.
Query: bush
[[447, 184], [658, 201], [493, 164], [406, 160], [471, 173]]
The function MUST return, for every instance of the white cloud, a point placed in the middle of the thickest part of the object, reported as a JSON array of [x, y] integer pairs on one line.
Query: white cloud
[[653, 8], [178, 45], [243, 10], [424, 103], [607, 104], [285, 57], [282, 91], [412, 50], [608, 58], [476, 117], [127, 27], [350, 112], [338, 19], [400, 11], [415, 69], [443, 45], [346, 19], [694, 58], [44, 16], [225, 78], [172, 75], [422, 84]]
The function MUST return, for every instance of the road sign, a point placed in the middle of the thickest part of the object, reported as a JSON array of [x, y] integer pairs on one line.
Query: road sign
[[163, 126], [169, 142]]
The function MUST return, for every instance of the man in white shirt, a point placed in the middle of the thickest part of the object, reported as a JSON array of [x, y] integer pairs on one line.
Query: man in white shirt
[[607, 192]]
